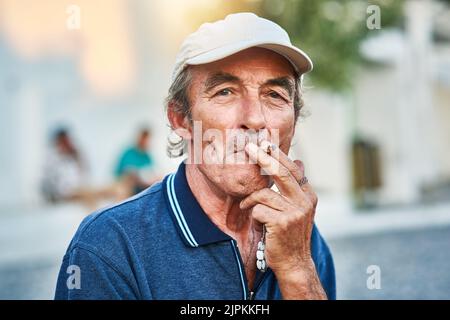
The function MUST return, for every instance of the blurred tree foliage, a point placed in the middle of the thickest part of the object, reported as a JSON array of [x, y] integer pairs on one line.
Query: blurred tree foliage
[[330, 31]]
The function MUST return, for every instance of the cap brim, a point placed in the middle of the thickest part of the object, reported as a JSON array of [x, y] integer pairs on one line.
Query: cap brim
[[300, 60]]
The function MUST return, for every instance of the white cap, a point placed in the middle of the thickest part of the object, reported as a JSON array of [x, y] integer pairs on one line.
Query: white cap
[[237, 32]]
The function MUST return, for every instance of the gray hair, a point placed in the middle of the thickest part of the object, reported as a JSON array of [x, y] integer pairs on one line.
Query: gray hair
[[178, 99]]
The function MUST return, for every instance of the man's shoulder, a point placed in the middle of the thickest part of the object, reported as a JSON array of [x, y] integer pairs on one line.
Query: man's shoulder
[[120, 223]]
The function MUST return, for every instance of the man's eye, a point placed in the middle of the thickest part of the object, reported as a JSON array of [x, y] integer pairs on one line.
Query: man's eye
[[223, 92], [275, 95]]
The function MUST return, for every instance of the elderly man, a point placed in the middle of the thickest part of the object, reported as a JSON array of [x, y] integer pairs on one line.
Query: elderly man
[[236, 221]]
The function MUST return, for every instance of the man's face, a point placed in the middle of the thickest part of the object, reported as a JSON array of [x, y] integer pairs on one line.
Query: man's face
[[251, 91]]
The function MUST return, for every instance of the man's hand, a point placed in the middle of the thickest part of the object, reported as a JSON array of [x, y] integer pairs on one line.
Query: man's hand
[[288, 217]]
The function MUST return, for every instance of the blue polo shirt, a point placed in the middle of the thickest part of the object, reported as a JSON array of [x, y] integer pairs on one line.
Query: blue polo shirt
[[160, 244]]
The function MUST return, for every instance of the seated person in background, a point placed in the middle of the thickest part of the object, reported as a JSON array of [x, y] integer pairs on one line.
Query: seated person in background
[[65, 177], [136, 164], [64, 171]]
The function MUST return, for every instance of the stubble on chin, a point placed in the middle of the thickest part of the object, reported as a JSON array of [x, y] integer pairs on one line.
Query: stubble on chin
[[243, 185]]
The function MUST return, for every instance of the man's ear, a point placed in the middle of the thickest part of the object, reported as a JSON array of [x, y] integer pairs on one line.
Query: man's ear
[[179, 122]]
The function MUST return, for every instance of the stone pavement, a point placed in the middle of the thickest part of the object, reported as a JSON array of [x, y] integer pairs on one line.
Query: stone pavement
[[411, 247], [414, 264]]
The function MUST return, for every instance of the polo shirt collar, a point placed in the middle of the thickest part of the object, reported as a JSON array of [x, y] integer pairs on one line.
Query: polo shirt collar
[[194, 226]]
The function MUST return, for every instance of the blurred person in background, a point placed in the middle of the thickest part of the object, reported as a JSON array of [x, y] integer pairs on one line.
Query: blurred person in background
[[66, 177], [65, 173], [135, 167]]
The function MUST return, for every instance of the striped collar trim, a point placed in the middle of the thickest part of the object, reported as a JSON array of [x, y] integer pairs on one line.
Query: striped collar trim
[[193, 225]]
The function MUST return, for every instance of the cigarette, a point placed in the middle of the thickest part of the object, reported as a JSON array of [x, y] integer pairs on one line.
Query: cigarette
[[267, 147]]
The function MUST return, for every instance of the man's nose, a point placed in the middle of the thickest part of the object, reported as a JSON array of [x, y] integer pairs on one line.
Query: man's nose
[[252, 115]]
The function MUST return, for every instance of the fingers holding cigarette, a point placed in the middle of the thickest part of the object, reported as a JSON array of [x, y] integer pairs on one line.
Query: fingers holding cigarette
[[264, 157]]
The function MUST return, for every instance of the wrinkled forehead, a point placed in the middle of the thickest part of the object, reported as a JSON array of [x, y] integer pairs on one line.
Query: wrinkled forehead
[[252, 65]]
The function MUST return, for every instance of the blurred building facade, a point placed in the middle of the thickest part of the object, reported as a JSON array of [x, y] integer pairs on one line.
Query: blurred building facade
[[109, 77], [402, 104]]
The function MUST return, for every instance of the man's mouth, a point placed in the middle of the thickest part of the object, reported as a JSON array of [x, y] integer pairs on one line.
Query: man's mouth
[[232, 150], [238, 143]]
